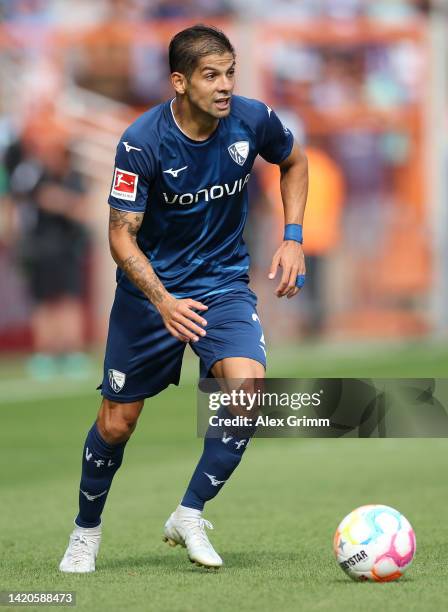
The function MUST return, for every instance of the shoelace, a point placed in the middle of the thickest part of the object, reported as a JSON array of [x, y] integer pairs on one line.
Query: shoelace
[[198, 526], [79, 548]]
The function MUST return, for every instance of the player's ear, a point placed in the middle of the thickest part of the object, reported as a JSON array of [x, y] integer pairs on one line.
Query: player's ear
[[179, 82]]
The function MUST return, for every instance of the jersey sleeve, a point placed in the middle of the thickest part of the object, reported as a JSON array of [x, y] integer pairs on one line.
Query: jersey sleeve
[[275, 141], [132, 177]]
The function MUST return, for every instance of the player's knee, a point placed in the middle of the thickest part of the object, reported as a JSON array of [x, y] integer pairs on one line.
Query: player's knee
[[117, 422], [119, 430], [252, 386]]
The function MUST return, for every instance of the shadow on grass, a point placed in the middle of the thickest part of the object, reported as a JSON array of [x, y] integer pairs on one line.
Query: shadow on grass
[[177, 560], [349, 581]]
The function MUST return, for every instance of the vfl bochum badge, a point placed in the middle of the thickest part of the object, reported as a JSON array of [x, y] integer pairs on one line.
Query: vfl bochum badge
[[239, 151], [116, 380]]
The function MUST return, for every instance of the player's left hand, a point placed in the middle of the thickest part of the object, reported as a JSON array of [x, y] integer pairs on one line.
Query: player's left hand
[[291, 260]]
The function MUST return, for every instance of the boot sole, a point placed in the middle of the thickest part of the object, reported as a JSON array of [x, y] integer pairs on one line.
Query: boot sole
[[199, 564], [172, 543]]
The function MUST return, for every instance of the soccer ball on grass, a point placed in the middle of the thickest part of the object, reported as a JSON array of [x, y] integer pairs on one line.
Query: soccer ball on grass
[[374, 542]]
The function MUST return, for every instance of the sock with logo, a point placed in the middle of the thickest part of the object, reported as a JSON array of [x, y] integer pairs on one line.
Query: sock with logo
[[220, 457], [100, 461]]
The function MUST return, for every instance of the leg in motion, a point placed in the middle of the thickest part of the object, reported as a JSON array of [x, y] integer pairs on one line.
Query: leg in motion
[[220, 457], [102, 456]]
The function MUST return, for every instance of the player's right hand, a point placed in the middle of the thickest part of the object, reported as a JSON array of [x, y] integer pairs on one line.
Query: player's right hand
[[181, 320]]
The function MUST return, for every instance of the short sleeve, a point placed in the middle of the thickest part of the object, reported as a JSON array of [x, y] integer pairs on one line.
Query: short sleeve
[[275, 140], [132, 177]]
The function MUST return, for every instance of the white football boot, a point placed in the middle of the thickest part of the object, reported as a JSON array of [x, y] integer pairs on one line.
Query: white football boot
[[187, 528], [82, 550]]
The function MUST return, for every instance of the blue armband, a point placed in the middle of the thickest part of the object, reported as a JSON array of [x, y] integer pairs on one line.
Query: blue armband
[[293, 231]]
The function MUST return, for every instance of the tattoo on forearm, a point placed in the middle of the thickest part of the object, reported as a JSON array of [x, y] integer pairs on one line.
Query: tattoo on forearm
[[140, 273], [136, 267], [120, 219]]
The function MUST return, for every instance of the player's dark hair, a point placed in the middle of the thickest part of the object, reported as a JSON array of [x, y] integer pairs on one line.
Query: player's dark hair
[[188, 46]]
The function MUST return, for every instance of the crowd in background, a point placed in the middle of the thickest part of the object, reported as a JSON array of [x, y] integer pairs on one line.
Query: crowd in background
[[84, 11], [45, 235], [113, 62], [44, 218]]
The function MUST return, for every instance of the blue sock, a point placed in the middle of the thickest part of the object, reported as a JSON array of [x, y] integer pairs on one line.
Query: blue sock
[[100, 461], [219, 459]]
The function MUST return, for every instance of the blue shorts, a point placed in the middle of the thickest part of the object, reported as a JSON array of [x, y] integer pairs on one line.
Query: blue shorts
[[142, 358]]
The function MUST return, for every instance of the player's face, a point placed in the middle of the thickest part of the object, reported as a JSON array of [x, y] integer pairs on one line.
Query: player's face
[[210, 87]]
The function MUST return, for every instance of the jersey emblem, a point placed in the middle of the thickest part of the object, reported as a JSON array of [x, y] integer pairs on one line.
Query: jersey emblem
[[269, 109], [117, 380], [124, 185], [174, 172], [239, 151], [129, 147]]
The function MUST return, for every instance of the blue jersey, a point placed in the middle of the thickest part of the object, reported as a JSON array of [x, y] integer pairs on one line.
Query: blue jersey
[[194, 193]]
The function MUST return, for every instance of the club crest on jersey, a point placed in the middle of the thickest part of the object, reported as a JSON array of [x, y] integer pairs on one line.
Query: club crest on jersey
[[239, 151], [124, 185], [116, 380]]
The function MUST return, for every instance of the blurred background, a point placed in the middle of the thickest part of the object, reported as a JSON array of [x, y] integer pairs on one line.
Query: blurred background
[[362, 84]]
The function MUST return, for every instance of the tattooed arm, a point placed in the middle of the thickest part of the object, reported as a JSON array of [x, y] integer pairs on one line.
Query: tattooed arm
[[123, 229], [178, 315]]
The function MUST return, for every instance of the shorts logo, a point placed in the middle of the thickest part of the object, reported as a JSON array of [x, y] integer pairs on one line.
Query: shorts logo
[[239, 151], [262, 344], [116, 380], [124, 185]]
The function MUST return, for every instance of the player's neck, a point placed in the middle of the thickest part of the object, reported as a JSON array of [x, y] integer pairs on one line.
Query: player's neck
[[194, 123]]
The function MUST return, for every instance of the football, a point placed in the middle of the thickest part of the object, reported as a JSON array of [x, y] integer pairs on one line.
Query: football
[[374, 542]]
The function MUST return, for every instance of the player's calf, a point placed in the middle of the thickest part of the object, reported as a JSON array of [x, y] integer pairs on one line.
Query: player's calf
[[102, 456]]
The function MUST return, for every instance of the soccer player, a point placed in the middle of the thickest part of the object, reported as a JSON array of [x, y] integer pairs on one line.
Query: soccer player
[[178, 206]]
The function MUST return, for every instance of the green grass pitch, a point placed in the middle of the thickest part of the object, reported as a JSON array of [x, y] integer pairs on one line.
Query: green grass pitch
[[274, 520]]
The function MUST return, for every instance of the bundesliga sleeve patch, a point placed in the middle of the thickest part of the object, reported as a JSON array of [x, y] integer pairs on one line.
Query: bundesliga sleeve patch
[[124, 185]]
